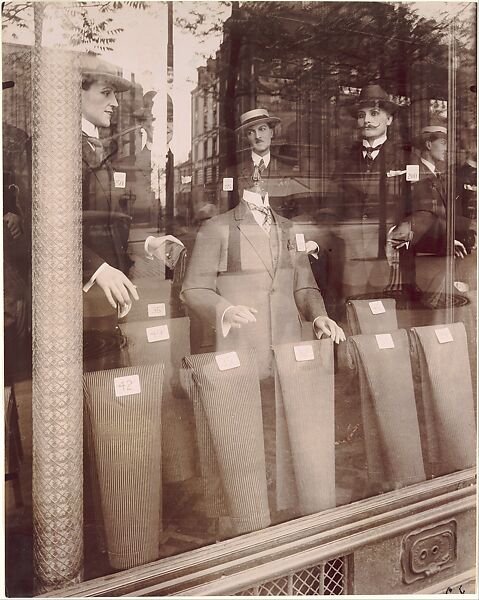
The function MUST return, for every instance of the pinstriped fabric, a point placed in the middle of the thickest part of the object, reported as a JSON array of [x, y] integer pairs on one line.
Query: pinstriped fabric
[[362, 320], [231, 435], [210, 474], [126, 435], [177, 415], [391, 428], [307, 389], [447, 398]]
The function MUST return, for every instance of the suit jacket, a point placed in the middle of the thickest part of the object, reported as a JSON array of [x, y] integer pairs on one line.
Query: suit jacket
[[372, 195], [105, 229], [234, 262]]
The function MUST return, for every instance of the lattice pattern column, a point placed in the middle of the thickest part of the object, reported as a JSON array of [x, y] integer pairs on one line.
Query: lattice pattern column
[[57, 321]]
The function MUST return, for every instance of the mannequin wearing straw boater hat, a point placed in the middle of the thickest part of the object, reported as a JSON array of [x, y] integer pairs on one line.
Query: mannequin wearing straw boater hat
[[105, 258], [370, 176], [257, 127]]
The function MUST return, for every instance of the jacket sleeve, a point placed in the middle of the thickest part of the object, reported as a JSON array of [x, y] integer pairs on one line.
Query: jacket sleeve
[[306, 292], [199, 291]]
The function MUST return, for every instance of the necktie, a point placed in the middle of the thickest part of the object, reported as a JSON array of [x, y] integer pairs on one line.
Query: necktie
[[97, 147], [266, 211], [257, 178], [369, 155]]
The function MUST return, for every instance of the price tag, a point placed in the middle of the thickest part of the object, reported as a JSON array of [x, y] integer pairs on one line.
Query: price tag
[[157, 334], [227, 184], [227, 361], [300, 243], [157, 310], [412, 172], [303, 353], [384, 341], [120, 179], [127, 386], [443, 335], [377, 307], [461, 286]]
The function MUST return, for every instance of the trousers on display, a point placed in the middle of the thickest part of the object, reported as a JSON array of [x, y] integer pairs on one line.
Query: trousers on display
[[177, 415], [306, 392], [125, 436], [362, 319], [446, 397], [388, 407], [229, 423]]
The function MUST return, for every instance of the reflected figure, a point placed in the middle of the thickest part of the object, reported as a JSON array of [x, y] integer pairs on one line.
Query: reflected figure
[[424, 230], [105, 234], [257, 126], [370, 177]]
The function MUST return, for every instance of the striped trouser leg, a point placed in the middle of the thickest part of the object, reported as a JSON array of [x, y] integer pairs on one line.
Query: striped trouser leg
[[230, 431], [307, 390], [125, 432]]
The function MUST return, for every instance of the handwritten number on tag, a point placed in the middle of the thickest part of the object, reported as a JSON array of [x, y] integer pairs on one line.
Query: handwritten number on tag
[[127, 386]]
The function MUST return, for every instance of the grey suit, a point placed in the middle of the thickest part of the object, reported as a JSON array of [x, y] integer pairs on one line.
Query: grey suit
[[235, 263]]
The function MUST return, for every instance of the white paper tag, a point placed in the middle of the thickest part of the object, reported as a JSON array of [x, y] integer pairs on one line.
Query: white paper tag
[[303, 353], [443, 335], [300, 243], [127, 386], [157, 310], [158, 333], [384, 341], [412, 172], [377, 307], [120, 179], [227, 361], [227, 184], [461, 286]]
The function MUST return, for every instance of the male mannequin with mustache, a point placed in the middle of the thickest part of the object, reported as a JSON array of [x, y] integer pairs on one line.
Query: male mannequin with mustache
[[372, 189]]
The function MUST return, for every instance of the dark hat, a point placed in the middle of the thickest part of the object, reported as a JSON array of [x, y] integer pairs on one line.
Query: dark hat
[[255, 117], [98, 68], [427, 133], [374, 95]]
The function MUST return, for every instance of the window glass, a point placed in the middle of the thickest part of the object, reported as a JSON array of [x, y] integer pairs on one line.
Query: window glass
[[279, 246]]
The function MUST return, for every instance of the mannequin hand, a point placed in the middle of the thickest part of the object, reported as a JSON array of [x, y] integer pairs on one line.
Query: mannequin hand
[[14, 224], [459, 250], [116, 286], [329, 328], [235, 316]]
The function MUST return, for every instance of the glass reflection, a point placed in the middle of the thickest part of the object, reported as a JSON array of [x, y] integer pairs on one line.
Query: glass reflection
[[247, 205]]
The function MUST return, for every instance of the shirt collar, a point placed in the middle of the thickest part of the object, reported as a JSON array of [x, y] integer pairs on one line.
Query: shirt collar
[[255, 198], [88, 128], [256, 158], [429, 165], [377, 142]]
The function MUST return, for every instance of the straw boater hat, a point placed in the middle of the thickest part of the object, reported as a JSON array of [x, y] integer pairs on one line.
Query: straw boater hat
[[255, 117], [98, 68], [427, 133], [373, 95]]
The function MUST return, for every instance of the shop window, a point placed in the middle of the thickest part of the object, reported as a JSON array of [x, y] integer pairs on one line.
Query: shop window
[[322, 173]]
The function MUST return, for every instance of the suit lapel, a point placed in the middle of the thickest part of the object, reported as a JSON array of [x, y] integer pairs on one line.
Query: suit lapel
[[254, 236]]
